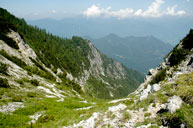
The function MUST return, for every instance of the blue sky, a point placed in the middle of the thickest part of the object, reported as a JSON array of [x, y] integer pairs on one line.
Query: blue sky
[[121, 9]]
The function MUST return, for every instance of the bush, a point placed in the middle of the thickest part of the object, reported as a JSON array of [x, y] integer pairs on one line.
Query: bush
[[46, 118], [177, 56], [126, 116], [187, 41], [3, 68], [4, 83], [17, 98], [5, 26], [147, 114], [159, 77], [74, 86], [31, 94], [9, 41], [35, 82], [20, 81], [13, 59]]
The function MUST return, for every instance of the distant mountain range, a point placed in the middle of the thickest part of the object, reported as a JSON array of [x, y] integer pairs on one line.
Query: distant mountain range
[[166, 29], [140, 53]]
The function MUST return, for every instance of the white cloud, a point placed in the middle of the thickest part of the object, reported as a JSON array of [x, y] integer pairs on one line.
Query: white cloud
[[95, 10], [138, 12], [153, 10], [171, 11], [122, 13]]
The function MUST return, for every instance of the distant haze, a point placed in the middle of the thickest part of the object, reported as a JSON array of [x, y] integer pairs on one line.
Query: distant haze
[[170, 30], [168, 20], [139, 53]]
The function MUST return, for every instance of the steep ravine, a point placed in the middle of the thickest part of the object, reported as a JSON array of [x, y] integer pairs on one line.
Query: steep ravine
[[165, 99]]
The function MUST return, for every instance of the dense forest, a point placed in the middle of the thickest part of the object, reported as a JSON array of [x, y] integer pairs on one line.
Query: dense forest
[[49, 48]]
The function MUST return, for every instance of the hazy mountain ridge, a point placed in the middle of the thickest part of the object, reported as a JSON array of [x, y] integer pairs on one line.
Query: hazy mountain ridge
[[165, 29], [140, 53]]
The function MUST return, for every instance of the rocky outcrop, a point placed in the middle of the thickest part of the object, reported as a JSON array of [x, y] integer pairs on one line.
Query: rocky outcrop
[[156, 87], [24, 48], [114, 70], [174, 103], [24, 53], [11, 107], [145, 92]]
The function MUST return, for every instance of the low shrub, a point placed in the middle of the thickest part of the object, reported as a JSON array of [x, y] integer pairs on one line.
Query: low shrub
[[17, 98], [4, 83], [74, 86], [34, 82], [187, 41], [177, 56], [13, 59], [20, 82], [31, 94], [147, 114], [3, 68], [126, 116], [8, 41], [5, 28], [46, 118], [159, 77]]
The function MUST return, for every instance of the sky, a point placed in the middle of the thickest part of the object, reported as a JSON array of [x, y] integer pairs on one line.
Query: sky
[[168, 20], [120, 9]]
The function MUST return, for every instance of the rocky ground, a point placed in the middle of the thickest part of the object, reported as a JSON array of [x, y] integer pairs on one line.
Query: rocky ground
[[136, 110]]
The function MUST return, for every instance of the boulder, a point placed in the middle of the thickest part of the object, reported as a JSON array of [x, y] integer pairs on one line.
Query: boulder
[[151, 71], [155, 87], [174, 103], [145, 92]]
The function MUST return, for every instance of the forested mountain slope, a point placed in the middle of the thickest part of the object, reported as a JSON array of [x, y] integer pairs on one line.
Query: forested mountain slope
[[63, 60]]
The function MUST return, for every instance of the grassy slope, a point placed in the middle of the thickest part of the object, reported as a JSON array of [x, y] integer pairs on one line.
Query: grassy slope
[[55, 114]]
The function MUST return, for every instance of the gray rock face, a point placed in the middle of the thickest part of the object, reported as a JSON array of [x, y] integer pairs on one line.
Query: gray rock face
[[151, 71], [174, 103], [145, 92], [11, 107], [114, 70], [155, 87]]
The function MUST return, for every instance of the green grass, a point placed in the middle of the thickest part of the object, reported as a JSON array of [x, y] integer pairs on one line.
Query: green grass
[[126, 116], [56, 114], [182, 87]]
